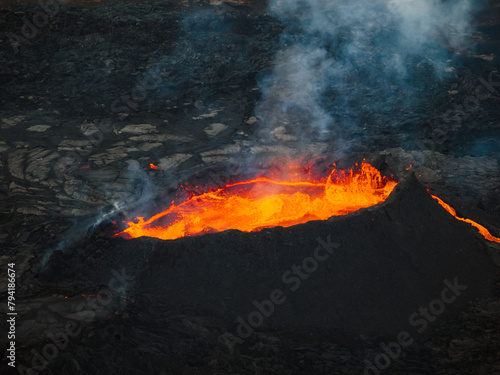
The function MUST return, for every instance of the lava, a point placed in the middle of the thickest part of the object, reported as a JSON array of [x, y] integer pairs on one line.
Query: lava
[[266, 202], [484, 232]]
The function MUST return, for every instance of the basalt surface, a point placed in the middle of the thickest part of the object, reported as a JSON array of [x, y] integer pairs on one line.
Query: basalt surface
[[76, 143]]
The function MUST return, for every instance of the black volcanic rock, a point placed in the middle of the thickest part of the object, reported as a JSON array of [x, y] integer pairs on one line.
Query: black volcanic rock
[[387, 262], [57, 181]]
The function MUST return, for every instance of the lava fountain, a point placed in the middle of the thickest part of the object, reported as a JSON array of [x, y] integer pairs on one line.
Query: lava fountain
[[265, 202]]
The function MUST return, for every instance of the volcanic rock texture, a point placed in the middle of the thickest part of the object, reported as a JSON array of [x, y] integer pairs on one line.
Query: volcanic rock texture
[[384, 262], [82, 120]]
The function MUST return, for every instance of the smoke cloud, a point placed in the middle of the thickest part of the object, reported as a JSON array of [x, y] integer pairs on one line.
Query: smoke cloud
[[345, 66]]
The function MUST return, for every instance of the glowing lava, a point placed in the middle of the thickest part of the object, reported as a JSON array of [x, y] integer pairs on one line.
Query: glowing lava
[[486, 234], [263, 202]]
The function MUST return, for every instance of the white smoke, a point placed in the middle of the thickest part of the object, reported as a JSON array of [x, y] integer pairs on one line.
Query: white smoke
[[343, 60]]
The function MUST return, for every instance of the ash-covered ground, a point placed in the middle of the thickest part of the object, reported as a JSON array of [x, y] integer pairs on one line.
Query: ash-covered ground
[[91, 96]]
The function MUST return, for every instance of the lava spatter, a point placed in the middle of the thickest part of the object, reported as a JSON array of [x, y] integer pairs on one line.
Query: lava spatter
[[265, 202]]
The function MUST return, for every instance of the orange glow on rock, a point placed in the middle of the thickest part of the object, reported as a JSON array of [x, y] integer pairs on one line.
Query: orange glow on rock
[[267, 202], [486, 234]]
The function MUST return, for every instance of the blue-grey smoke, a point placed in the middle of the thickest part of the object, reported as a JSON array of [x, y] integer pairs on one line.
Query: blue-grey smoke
[[344, 64], [84, 228]]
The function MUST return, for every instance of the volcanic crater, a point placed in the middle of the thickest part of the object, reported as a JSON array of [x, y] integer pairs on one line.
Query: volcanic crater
[[111, 111]]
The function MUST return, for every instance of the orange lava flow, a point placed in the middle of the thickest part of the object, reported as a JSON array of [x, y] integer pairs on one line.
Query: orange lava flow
[[263, 202], [486, 234]]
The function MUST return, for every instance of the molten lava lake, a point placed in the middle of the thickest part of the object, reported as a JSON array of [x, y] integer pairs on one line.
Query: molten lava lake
[[265, 202], [294, 197]]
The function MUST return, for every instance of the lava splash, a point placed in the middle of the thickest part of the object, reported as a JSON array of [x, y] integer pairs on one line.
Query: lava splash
[[265, 202]]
